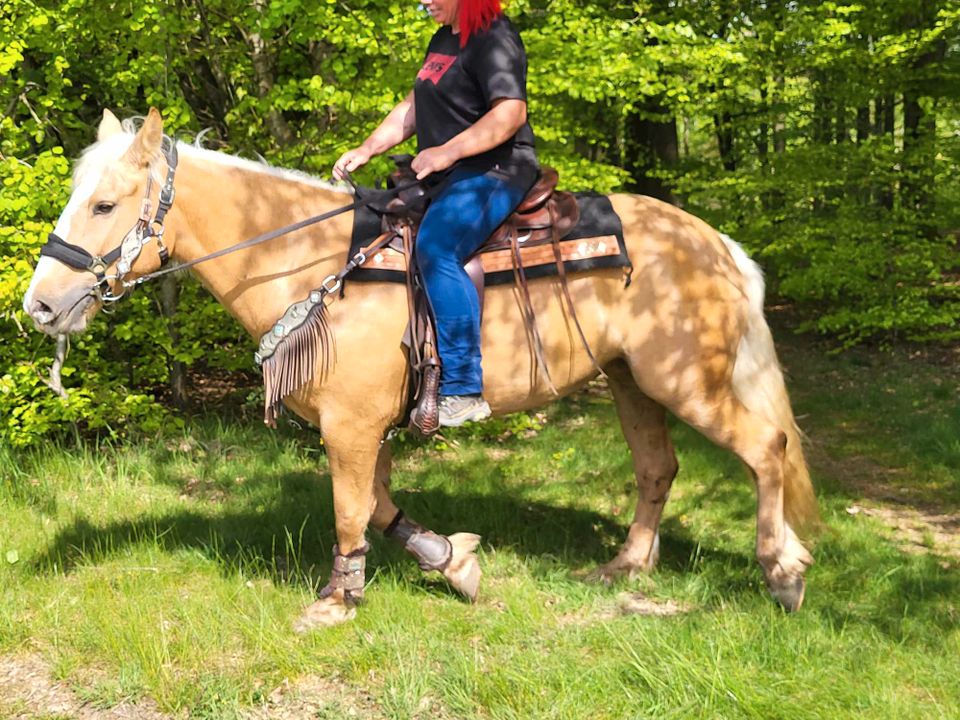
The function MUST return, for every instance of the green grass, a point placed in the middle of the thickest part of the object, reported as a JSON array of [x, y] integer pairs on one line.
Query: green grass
[[172, 569]]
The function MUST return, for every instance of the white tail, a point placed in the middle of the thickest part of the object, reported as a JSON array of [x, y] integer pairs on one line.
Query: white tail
[[758, 383]]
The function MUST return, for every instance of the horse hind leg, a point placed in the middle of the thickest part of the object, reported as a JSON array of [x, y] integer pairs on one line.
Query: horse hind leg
[[762, 445], [654, 464]]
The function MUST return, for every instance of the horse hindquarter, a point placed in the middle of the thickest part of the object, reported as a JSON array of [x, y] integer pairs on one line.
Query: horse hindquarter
[[696, 342]]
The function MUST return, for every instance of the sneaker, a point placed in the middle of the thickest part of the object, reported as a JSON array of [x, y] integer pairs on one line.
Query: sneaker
[[455, 410]]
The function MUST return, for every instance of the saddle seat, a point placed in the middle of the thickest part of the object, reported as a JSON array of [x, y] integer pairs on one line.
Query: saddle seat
[[543, 214], [543, 217]]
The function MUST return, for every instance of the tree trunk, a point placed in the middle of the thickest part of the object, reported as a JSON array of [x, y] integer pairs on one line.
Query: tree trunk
[[780, 125], [265, 75], [169, 300], [919, 134], [822, 115], [841, 134], [205, 86], [763, 131], [723, 123], [652, 144], [863, 123]]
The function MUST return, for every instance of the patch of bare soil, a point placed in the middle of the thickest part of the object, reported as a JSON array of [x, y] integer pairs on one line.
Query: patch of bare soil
[[866, 476], [313, 697], [917, 527], [628, 603], [637, 603], [28, 691], [917, 531]]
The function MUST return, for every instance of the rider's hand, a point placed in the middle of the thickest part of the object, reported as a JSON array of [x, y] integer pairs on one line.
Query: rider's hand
[[431, 160], [350, 161]]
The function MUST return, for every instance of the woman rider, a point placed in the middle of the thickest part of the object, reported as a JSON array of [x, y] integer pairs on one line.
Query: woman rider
[[468, 109]]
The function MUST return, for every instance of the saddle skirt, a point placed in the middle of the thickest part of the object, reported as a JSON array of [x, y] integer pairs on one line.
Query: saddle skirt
[[589, 230]]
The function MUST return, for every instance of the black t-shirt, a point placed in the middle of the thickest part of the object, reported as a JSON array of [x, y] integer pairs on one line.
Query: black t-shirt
[[456, 87]]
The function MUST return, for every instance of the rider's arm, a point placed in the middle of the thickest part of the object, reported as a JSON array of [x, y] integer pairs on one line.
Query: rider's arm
[[500, 123], [397, 126]]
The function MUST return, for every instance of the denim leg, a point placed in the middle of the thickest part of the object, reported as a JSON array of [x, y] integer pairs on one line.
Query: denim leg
[[457, 222]]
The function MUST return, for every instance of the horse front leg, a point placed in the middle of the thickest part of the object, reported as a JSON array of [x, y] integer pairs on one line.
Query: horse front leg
[[452, 556], [360, 466], [352, 449]]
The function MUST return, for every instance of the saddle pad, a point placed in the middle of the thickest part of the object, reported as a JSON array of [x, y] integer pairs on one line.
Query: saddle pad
[[595, 242]]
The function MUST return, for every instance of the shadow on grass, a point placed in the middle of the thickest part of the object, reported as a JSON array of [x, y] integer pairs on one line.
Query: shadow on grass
[[863, 581], [279, 525]]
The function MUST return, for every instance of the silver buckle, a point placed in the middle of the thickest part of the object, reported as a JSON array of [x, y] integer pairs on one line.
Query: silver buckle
[[326, 284], [105, 293]]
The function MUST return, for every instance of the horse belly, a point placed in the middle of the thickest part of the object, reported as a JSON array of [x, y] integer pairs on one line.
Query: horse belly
[[511, 378]]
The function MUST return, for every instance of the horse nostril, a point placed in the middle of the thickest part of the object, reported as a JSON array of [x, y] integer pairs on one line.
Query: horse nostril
[[41, 312]]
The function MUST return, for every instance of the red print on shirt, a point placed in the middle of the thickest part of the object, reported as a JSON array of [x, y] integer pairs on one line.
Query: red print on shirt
[[435, 66]]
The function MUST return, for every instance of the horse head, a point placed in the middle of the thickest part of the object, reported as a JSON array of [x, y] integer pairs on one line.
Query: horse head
[[94, 250]]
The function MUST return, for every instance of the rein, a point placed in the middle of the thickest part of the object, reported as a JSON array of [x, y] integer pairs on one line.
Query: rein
[[262, 238], [140, 234]]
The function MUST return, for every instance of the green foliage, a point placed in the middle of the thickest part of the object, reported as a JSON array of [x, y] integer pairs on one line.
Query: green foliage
[[822, 135], [858, 269]]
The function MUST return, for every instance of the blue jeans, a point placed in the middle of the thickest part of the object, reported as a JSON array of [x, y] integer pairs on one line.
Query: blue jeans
[[470, 207]]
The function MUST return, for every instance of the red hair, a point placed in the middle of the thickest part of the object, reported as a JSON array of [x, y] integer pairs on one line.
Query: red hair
[[476, 15]]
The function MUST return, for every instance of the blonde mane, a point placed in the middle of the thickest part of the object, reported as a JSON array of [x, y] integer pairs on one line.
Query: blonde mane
[[94, 159]]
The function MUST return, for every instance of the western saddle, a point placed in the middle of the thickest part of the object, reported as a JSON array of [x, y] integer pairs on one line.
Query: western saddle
[[543, 217]]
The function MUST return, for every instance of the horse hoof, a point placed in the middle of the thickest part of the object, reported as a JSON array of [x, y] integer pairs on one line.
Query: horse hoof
[[627, 565], [616, 569], [790, 593], [603, 575], [463, 570], [324, 613]]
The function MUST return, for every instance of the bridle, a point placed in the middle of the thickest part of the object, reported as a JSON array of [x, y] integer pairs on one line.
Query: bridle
[[146, 228], [132, 244]]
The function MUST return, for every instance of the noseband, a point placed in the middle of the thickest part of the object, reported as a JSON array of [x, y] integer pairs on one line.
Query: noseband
[[132, 244]]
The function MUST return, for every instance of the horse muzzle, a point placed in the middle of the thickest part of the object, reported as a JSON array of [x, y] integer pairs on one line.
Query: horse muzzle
[[66, 314]]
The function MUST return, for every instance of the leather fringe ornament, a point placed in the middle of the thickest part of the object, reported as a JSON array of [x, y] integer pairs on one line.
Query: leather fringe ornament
[[293, 363], [288, 353]]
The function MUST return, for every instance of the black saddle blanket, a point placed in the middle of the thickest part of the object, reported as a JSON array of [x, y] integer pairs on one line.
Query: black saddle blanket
[[597, 219]]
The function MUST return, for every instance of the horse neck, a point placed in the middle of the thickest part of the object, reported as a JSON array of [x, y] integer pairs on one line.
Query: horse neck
[[219, 205]]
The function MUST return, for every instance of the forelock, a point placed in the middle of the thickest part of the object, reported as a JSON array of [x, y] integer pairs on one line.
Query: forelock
[[95, 159]]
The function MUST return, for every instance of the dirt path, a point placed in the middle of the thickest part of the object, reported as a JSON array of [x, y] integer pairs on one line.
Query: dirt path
[[28, 691]]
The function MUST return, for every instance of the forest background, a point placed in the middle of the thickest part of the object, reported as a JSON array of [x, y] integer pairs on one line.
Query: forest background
[[824, 136]]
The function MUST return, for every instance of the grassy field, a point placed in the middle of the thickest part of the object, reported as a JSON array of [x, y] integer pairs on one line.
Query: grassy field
[[161, 578]]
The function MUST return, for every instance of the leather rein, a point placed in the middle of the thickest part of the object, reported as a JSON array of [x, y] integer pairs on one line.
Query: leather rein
[[146, 228]]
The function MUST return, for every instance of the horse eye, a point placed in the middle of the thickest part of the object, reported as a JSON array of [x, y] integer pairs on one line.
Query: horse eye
[[103, 208]]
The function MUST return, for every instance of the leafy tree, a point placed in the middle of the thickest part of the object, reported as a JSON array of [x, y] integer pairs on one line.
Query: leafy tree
[[824, 135]]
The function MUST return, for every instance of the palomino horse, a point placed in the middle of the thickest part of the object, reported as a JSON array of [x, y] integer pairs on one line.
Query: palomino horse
[[686, 335]]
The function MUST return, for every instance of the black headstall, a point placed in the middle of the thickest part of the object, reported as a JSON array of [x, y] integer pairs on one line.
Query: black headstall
[[127, 252]]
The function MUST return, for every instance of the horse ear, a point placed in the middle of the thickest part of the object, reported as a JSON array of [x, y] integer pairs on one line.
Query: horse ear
[[109, 126], [146, 145]]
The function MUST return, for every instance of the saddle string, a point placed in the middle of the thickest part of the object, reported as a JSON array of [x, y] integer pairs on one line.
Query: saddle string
[[528, 313], [562, 273]]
